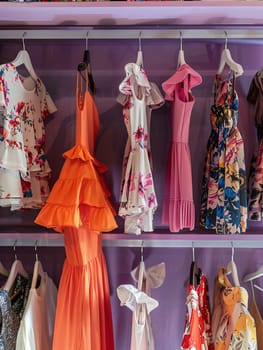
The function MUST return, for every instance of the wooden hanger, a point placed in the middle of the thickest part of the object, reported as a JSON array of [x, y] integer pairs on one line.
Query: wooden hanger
[[232, 269], [181, 59], [23, 58], [226, 58], [38, 270], [17, 268], [3, 270]]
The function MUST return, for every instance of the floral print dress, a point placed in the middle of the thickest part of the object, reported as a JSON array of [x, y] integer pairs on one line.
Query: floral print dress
[[224, 194], [232, 324], [198, 331], [138, 199], [24, 170]]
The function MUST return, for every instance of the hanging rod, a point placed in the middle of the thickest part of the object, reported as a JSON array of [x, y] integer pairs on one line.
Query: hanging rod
[[153, 240], [72, 33]]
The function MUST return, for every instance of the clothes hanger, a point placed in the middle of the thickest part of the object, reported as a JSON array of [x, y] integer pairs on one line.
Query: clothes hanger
[[23, 58], [139, 60], [181, 59], [251, 276], [194, 277], [3, 270], [226, 58], [140, 283], [258, 287], [232, 268], [38, 270], [85, 64], [17, 268]]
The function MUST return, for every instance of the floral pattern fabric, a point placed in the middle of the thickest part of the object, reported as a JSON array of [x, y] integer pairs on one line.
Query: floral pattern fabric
[[138, 199], [233, 326], [198, 331], [24, 170], [224, 192]]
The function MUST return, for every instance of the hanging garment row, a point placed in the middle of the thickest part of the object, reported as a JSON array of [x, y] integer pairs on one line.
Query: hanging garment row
[[230, 321], [201, 317], [224, 189], [27, 307], [25, 170]]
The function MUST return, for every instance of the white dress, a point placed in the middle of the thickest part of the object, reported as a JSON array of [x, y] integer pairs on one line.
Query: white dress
[[138, 199], [24, 170], [37, 324], [139, 301]]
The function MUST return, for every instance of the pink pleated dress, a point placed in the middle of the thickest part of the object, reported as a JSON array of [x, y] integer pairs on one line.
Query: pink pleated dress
[[178, 207]]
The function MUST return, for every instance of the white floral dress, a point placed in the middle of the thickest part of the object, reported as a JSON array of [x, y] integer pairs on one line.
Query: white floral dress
[[24, 170], [138, 199]]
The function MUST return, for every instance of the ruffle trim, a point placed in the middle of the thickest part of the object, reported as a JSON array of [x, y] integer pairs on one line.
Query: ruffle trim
[[79, 196], [58, 217], [181, 214], [82, 153]]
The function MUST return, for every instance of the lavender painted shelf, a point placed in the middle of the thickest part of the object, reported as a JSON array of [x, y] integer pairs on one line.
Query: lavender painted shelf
[[131, 13]]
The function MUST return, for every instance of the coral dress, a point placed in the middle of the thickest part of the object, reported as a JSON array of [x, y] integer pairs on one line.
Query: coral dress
[[78, 207], [178, 205]]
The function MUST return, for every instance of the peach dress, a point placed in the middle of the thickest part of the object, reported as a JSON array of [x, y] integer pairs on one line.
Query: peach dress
[[78, 206]]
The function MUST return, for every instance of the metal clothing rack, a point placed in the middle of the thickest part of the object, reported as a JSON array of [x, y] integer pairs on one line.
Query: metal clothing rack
[[124, 33], [150, 240]]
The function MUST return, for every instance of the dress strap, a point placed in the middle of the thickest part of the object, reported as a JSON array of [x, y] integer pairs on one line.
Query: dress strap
[[80, 101], [186, 87]]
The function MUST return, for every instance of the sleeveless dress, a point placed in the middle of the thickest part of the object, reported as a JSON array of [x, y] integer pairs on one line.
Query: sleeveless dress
[[12, 306], [232, 324], [178, 205], [255, 313], [78, 206], [198, 328], [138, 199], [224, 192]]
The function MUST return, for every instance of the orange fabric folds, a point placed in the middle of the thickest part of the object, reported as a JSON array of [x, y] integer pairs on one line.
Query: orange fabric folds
[[78, 206], [78, 197]]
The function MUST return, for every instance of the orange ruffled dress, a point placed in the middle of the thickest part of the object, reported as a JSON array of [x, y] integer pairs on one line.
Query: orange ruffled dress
[[78, 207]]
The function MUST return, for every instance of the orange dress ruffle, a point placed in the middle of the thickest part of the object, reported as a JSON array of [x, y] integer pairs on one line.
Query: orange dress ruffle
[[78, 206]]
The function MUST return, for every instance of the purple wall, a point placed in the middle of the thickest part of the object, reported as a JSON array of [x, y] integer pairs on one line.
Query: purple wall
[[56, 62]]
